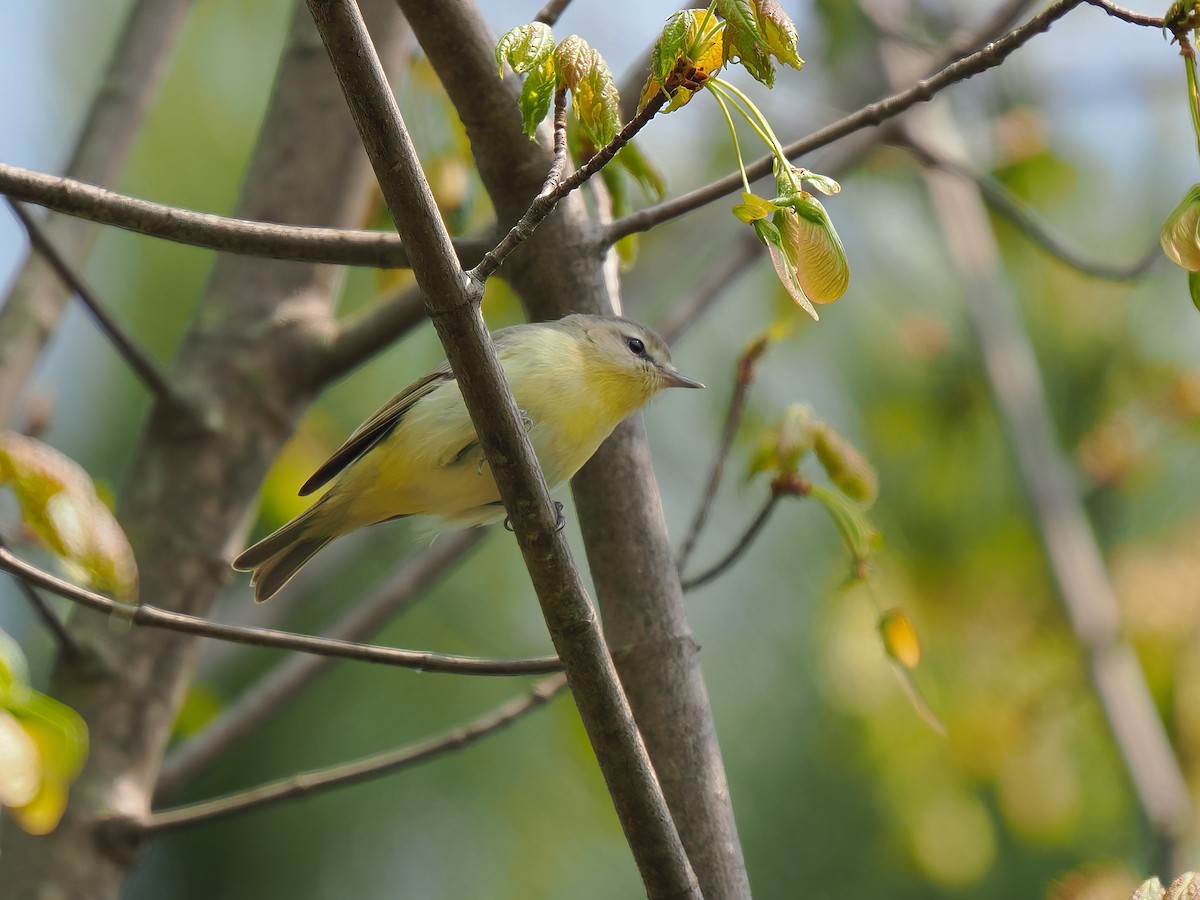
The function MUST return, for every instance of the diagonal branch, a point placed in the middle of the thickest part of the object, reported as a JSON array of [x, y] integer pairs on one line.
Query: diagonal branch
[[343, 775], [293, 674], [305, 243], [152, 616], [62, 637], [453, 299], [876, 113], [371, 330], [135, 357], [740, 546]]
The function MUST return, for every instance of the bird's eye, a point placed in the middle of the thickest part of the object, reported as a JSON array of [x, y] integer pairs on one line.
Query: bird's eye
[[636, 345]]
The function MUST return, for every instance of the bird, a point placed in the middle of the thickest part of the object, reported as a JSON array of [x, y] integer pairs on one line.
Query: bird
[[574, 380]]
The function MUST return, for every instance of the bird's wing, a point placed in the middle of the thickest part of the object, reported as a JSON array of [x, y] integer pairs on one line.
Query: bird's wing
[[376, 428]]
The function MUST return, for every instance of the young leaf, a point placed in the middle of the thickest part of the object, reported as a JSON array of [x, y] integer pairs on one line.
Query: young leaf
[[821, 265], [20, 765], [60, 737], [60, 506], [525, 47], [780, 238], [860, 538], [752, 208], [1180, 235], [594, 98], [743, 40], [537, 94], [778, 33], [671, 45], [900, 638], [685, 65]]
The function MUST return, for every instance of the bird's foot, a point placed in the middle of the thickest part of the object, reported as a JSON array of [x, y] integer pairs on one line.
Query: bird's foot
[[559, 524]]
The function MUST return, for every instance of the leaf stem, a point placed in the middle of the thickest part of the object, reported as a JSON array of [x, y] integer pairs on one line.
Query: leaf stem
[[737, 147]]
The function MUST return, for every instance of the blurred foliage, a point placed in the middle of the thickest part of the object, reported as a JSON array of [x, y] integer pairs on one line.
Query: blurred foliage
[[837, 783]]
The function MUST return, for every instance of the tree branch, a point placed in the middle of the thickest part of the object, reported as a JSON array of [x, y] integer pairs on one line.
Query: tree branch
[[304, 243], [152, 616], [743, 543], [30, 313], [876, 113], [453, 299], [280, 685], [62, 637], [373, 329], [135, 357], [1013, 209], [308, 783], [548, 14]]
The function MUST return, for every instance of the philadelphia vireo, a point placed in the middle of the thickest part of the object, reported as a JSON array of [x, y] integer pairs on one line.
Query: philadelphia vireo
[[574, 381]]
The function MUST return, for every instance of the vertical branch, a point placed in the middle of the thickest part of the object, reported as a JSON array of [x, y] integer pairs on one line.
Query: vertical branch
[[453, 299], [29, 315]]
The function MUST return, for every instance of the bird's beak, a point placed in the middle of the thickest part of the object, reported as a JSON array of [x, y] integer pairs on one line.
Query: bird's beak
[[672, 377]]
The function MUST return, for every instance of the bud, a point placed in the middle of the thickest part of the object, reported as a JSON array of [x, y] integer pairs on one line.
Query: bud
[[900, 638], [847, 468]]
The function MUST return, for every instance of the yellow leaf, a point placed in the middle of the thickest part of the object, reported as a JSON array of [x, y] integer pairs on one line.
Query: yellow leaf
[[900, 638], [20, 765], [1180, 235], [821, 265]]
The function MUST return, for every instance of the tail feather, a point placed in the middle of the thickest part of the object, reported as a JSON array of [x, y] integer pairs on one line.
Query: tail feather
[[279, 556]]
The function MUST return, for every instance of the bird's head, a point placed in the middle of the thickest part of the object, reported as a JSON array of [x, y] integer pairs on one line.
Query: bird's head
[[627, 355]]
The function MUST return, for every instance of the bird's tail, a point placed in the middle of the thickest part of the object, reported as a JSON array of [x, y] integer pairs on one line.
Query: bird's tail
[[279, 556]]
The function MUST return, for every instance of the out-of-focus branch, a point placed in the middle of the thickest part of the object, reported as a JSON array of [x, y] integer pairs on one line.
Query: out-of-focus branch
[[453, 299], [152, 616], [371, 330], [740, 546], [135, 357], [548, 14], [733, 418], [876, 113], [1073, 555], [30, 313], [309, 783], [305, 243], [1009, 206], [62, 637], [265, 697]]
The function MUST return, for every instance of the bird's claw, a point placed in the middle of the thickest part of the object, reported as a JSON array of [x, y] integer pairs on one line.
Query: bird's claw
[[559, 524]]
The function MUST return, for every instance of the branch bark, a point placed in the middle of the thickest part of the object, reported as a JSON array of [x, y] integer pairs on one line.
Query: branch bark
[[256, 329], [453, 298], [556, 272]]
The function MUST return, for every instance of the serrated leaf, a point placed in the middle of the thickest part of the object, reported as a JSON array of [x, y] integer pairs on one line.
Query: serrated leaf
[[686, 69], [525, 48], [1180, 234], [1185, 887], [778, 33], [537, 95], [643, 171], [900, 638], [743, 40], [60, 506], [1150, 889], [671, 45], [594, 98], [845, 465]]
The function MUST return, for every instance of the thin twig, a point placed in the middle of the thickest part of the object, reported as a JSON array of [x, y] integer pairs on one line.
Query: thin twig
[[738, 549], [876, 113], [343, 246], [308, 783], [733, 418], [421, 660], [266, 696], [545, 201], [135, 357], [66, 642], [1013, 209], [548, 14], [728, 265]]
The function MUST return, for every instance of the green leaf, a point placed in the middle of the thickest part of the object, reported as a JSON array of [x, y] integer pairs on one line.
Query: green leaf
[[781, 240], [686, 68], [594, 97], [1194, 288], [752, 208], [14, 671], [643, 171], [821, 265], [1180, 234], [778, 33], [537, 95], [525, 48], [671, 45], [59, 505], [743, 39], [1151, 889], [61, 740], [860, 538]]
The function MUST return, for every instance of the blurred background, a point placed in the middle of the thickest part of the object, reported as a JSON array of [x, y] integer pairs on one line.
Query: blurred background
[[841, 789]]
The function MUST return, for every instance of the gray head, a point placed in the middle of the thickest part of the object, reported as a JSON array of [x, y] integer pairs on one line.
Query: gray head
[[629, 348]]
